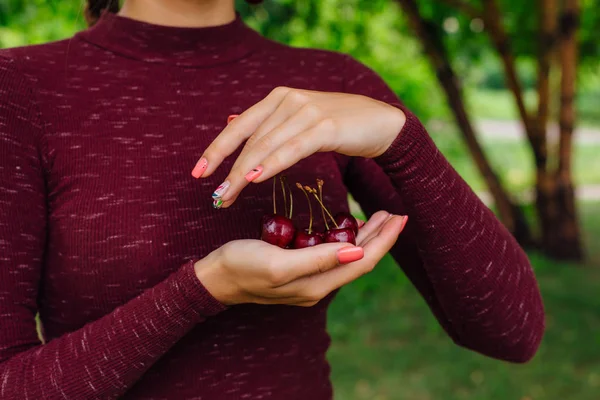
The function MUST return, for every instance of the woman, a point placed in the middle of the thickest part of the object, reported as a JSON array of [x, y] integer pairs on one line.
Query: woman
[[145, 290]]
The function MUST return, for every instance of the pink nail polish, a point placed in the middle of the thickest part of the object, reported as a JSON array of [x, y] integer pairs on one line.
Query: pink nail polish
[[231, 118], [360, 222], [350, 254], [255, 173], [404, 221], [200, 167]]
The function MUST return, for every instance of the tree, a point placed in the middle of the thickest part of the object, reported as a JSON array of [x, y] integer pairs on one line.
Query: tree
[[555, 199], [429, 33]]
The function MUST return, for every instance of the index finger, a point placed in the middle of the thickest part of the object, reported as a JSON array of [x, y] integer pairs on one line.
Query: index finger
[[293, 264], [239, 129]]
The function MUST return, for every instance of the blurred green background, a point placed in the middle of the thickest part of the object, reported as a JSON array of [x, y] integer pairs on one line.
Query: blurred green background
[[386, 343]]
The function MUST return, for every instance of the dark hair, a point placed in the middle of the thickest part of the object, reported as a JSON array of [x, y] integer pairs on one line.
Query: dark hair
[[94, 9]]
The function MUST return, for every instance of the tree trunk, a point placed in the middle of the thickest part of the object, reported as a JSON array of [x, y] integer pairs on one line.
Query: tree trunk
[[547, 42], [558, 212], [509, 213], [555, 201]]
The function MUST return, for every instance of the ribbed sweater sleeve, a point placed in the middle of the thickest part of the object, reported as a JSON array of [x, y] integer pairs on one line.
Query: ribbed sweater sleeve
[[105, 357], [468, 267]]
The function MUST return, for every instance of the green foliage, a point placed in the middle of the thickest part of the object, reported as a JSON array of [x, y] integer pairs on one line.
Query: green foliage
[[373, 31], [386, 344], [470, 47], [38, 21]]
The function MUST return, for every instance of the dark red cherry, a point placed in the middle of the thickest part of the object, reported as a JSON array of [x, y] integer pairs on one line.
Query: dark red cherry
[[346, 220], [304, 239], [277, 230], [343, 235]]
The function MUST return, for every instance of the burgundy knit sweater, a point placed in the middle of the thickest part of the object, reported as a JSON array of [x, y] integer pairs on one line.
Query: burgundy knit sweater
[[100, 221]]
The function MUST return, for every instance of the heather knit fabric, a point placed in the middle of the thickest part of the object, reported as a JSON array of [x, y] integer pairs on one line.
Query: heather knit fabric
[[101, 221]]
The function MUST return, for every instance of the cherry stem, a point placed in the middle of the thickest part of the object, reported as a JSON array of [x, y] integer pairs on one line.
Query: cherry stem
[[320, 186], [281, 179], [299, 186], [274, 201], [287, 186], [314, 192]]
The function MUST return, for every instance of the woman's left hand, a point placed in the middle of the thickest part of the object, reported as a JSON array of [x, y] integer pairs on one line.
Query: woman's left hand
[[291, 124]]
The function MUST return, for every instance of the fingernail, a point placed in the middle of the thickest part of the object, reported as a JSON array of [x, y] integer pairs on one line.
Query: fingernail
[[360, 222], [350, 254], [255, 173], [404, 221], [220, 191], [217, 203], [231, 118], [200, 167]]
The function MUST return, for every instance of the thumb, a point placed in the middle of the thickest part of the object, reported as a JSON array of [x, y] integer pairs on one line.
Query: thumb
[[321, 258]]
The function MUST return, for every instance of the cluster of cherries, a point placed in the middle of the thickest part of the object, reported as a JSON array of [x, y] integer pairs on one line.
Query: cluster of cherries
[[280, 230]]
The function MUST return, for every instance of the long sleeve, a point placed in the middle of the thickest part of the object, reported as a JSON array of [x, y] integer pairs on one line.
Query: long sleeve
[[105, 357], [468, 267]]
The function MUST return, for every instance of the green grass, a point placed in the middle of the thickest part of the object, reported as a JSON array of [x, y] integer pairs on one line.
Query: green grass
[[500, 104], [512, 161], [387, 345]]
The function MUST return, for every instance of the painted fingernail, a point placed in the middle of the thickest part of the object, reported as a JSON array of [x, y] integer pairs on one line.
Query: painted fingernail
[[404, 221], [200, 167], [231, 118], [217, 203], [255, 173], [350, 254], [360, 222], [220, 191]]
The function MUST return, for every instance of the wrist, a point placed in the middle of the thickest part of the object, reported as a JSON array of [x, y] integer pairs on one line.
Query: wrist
[[395, 122], [209, 273], [412, 142]]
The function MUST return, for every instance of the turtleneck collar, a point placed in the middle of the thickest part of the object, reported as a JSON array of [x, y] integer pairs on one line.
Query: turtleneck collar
[[204, 46]]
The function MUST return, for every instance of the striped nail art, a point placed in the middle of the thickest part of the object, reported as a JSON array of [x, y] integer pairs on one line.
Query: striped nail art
[[217, 203], [220, 191]]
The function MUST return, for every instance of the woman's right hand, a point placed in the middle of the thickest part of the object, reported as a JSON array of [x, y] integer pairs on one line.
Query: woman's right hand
[[252, 271]]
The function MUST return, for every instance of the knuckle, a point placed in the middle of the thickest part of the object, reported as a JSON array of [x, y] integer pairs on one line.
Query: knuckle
[[274, 274], [322, 263], [315, 295], [296, 97], [226, 249], [251, 142], [280, 90], [295, 144], [213, 152], [226, 255], [327, 125], [276, 161], [264, 144], [312, 110]]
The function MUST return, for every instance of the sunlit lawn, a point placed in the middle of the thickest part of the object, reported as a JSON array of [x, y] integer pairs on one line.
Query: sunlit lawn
[[500, 104], [386, 344], [513, 161]]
